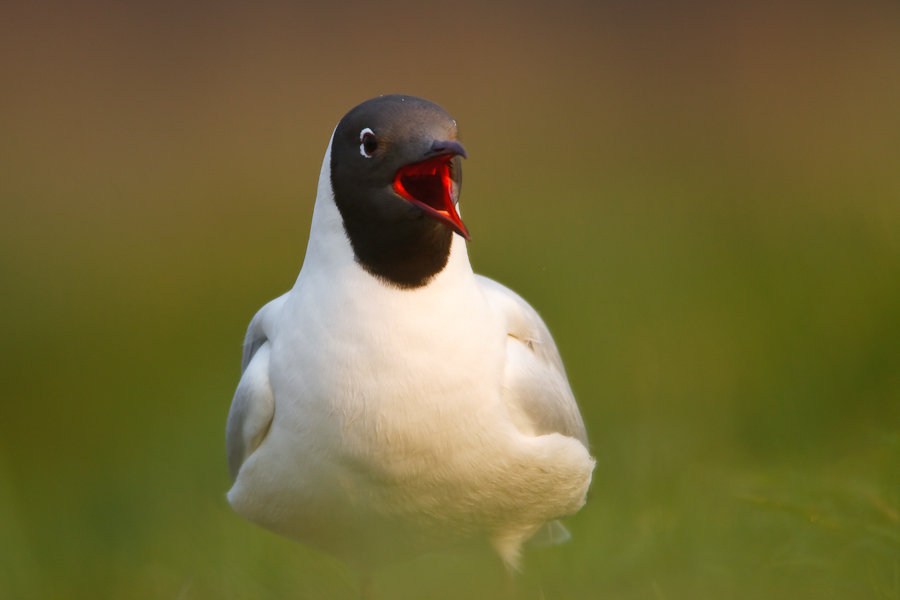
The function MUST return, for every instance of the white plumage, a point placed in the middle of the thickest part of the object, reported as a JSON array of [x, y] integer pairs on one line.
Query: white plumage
[[375, 422]]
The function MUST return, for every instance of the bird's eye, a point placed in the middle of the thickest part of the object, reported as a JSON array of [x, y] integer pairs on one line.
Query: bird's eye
[[367, 143]]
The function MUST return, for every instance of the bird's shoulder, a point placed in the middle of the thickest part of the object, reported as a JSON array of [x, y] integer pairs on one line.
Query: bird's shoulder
[[261, 328], [535, 388], [522, 321]]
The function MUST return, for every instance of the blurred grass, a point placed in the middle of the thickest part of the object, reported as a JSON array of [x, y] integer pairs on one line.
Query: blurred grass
[[702, 201]]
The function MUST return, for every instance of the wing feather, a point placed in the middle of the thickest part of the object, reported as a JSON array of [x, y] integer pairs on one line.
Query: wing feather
[[253, 406], [257, 331], [536, 389], [252, 411]]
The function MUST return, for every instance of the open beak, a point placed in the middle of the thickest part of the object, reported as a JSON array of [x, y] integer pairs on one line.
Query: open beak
[[428, 185]]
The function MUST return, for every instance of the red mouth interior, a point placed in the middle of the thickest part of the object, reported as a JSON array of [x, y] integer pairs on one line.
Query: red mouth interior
[[429, 186]]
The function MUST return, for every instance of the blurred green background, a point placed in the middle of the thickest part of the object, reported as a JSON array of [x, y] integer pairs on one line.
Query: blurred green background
[[702, 199]]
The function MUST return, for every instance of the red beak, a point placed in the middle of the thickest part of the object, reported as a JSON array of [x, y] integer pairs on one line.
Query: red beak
[[428, 185]]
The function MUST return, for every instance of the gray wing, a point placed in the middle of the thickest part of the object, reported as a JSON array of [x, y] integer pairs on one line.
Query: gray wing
[[253, 406], [535, 388], [257, 332]]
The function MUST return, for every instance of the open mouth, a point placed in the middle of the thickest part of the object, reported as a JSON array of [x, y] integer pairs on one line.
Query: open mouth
[[429, 186]]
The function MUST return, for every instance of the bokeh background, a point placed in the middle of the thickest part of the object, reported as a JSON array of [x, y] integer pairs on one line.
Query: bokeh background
[[702, 199]]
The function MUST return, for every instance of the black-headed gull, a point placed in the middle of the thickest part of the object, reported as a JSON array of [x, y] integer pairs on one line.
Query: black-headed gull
[[393, 402]]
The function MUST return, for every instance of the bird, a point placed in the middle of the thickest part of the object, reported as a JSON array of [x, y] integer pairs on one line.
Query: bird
[[393, 402]]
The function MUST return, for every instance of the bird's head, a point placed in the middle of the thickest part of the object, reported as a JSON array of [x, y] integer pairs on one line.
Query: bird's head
[[396, 175]]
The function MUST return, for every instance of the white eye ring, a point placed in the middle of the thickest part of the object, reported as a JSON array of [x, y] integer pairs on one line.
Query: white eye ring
[[362, 141]]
